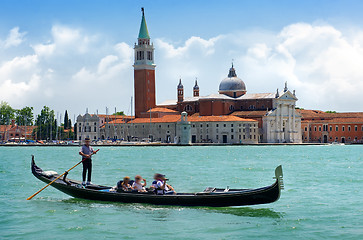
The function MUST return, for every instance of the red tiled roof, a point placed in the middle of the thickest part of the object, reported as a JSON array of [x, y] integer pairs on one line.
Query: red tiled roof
[[9, 128], [162, 109], [163, 119], [316, 114], [4, 128], [117, 121]]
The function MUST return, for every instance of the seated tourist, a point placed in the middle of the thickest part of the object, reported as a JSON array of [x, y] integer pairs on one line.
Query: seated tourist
[[125, 184], [137, 185], [160, 185]]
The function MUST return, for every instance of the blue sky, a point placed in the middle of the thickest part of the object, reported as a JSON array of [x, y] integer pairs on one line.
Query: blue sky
[[74, 50]]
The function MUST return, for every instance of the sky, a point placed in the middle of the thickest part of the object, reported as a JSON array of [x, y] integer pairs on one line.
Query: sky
[[78, 55]]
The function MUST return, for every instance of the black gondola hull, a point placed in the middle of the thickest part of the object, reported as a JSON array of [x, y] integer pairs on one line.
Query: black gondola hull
[[234, 197]]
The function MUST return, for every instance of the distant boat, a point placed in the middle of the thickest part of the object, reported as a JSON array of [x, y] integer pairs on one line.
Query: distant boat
[[336, 143], [211, 197]]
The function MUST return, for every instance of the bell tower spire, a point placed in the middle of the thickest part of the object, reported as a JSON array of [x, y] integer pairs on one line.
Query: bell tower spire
[[196, 89], [144, 70]]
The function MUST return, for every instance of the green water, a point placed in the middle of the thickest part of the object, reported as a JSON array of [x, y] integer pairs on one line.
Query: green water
[[323, 196]]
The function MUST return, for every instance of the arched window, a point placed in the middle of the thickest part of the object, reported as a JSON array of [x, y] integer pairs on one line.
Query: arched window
[[231, 108], [188, 108]]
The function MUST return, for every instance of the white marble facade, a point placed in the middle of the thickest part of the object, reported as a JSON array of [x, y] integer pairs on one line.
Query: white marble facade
[[282, 124]]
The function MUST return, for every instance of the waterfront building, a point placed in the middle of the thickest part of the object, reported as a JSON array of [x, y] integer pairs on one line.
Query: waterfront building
[[328, 127], [15, 132], [89, 125], [184, 129]]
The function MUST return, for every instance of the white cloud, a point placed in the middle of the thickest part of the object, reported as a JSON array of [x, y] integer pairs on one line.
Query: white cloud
[[65, 40], [13, 39], [75, 70]]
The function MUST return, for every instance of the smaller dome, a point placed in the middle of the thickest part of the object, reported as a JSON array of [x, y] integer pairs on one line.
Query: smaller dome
[[232, 85]]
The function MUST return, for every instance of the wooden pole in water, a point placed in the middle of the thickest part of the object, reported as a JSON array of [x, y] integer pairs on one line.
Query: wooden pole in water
[[29, 198]]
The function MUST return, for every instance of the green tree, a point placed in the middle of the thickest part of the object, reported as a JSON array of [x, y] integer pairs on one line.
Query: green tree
[[24, 116], [45, 122], [66, 121], [119, 113], [7, 113]]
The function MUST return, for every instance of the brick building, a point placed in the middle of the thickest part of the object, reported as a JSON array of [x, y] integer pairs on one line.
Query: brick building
[[15, 133], [321, 127]]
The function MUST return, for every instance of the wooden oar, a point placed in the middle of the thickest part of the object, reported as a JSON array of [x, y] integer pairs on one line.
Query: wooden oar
[[29, 198]]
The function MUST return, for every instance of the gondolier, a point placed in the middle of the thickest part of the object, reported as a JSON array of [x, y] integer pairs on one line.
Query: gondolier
[[86, 152]]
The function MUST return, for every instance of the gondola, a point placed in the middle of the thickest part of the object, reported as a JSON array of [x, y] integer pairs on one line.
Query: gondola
[[210, 197]]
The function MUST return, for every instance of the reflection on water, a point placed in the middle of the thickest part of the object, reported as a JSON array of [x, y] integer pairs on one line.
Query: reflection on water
[[148, 208], [247, 212]]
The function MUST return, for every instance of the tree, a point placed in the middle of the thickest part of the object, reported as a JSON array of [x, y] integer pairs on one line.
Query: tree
[[66, 121], [24, 116], [46, 124], [119, 113], [7, 113]]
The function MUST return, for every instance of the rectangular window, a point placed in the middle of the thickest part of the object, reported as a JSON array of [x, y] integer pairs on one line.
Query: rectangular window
[[232, 136], [319, 129], [224, 125], [217, 137], [231, 125], [306, 129], [336, 128], [232, 130], [217, 125], [254, 136], [244, 136], [331, 128], [240, 136]]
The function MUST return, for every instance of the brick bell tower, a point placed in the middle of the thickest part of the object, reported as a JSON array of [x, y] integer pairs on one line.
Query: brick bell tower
[[144, 71]]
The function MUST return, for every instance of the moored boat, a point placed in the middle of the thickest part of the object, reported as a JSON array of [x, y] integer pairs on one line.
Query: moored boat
[[212, 197]]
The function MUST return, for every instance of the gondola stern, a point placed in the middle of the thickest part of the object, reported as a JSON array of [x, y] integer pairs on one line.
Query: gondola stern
[[279, 177]]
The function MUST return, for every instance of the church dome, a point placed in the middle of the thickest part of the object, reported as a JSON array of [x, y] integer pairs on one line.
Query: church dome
[[232, 85]]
